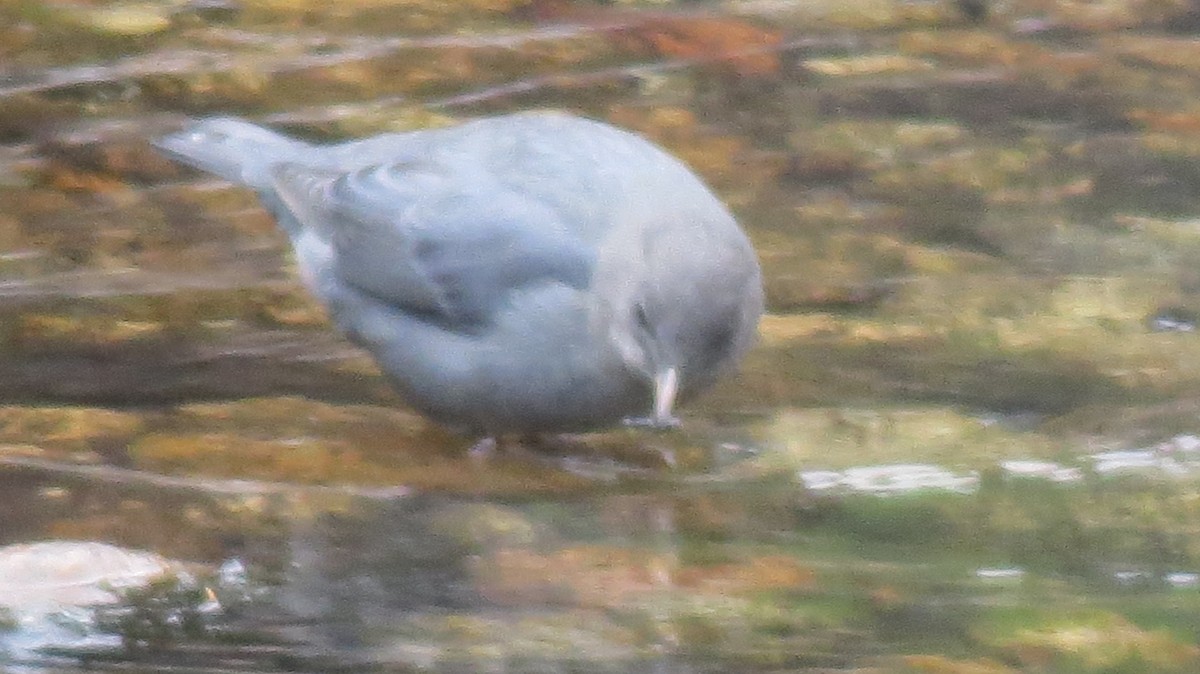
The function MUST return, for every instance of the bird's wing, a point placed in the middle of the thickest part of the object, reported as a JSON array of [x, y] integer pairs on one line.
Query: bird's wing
[[431, 240]]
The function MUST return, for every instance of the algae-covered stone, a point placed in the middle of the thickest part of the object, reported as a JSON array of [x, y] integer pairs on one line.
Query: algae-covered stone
[[67, 428], [1095, 642], [936, 664], [125, 19], [868, 65], [303, 460], [623, 578], [481, 525], [352, 447], [822, 438], [286, 415]]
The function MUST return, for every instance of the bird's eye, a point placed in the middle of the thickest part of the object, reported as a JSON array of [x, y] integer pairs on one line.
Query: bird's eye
[[641, 319]]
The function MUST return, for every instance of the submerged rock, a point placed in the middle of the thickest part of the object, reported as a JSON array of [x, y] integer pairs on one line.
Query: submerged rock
[[49, 590]]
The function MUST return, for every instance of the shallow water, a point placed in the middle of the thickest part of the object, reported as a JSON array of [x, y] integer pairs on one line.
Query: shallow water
[[967, 440]]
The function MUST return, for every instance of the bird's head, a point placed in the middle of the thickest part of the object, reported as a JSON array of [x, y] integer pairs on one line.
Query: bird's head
[[679, 335]]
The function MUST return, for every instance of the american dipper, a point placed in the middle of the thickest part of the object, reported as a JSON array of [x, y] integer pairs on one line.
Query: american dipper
[[534, 272]]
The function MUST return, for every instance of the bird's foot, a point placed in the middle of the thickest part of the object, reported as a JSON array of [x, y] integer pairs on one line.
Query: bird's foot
[[493, 447], [483, 450]]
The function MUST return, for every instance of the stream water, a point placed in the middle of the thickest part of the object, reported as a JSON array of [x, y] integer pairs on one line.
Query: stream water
[[967, 441]]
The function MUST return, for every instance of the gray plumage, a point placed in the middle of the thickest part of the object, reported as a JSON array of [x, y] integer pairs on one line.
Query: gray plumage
[[536, 272]]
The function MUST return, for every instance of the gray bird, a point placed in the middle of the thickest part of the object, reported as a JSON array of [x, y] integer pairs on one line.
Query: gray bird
[[535, 272]]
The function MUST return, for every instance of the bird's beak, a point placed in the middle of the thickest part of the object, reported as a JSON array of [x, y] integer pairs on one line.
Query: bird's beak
[[666, 386]]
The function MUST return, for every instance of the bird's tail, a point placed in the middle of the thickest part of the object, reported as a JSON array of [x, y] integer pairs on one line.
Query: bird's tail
[[232, 148]]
